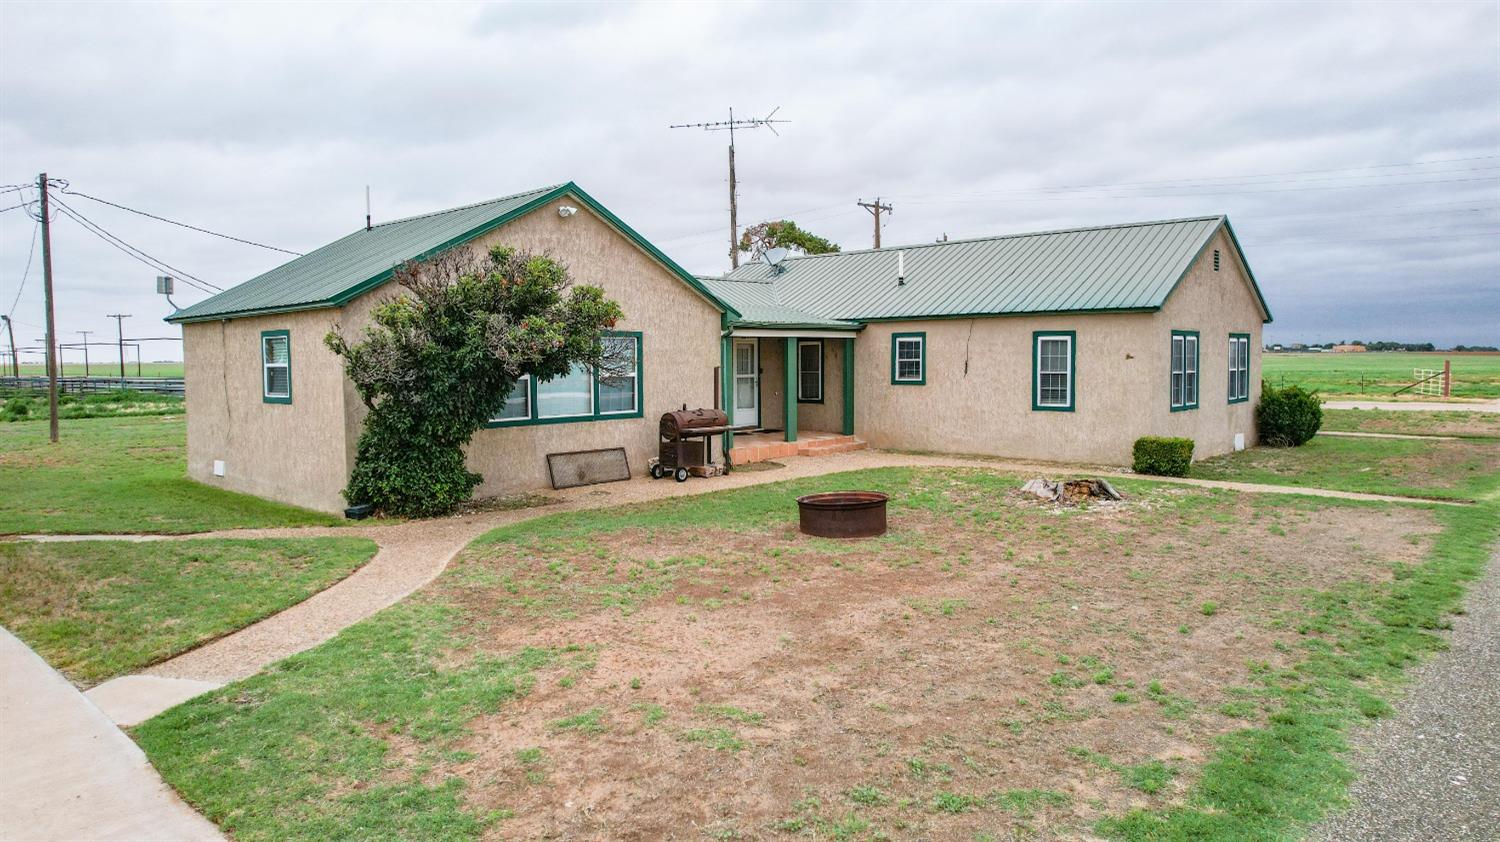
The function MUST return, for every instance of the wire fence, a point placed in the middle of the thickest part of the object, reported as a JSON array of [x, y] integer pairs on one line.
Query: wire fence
[[91, 385]]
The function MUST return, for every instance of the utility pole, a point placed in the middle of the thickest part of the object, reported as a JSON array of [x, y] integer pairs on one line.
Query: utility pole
[[876, 208], [15, 360], [85, 350], [730, 125], [120, 332], [41, 185]]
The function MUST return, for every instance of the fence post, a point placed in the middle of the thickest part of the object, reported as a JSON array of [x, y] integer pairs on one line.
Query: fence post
[[1447, 378]]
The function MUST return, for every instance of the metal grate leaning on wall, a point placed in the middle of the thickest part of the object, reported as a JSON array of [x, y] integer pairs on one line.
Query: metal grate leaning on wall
[[588, 467]]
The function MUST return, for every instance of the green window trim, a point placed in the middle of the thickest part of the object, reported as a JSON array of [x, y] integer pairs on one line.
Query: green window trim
[[1037, 337], [822, 373], [1190, 371], [266, 395], [594, 414], [896, 341], [1242, 393]]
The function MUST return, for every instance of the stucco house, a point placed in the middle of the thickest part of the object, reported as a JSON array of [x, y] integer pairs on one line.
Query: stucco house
[[1061, 345]]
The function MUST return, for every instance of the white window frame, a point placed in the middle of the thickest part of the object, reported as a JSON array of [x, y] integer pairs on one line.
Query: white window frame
[[920, 340], [1239, 368], [522, 389], [801, 372], [266, 365], [1191, 348], [1068, 339], [634, 376]]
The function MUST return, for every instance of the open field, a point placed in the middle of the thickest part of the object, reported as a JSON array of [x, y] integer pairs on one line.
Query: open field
[[1466, 469], [119, 475], [32, 406], [1456, 423], [1375, 375], [1178, 666], [97, 609], [101, 367]]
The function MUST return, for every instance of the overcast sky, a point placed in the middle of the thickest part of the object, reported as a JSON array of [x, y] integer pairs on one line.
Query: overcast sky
[[1355, 147]]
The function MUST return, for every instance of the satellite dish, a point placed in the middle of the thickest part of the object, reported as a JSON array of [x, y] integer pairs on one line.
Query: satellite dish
[[773, 257]]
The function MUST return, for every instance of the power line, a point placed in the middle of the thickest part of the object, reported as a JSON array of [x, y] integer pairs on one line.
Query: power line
[[132, 251], [30, 253], [180, 224]]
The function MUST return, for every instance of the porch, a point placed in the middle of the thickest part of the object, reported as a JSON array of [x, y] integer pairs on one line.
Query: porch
[[795, 385], [765, 445]]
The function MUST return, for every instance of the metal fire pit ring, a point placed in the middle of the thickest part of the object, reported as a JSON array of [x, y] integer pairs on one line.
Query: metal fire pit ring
[[843, 514]]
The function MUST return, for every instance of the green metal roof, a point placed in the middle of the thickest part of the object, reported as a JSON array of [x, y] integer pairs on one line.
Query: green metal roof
[[333, 275], [758, 307], [1112, 268]]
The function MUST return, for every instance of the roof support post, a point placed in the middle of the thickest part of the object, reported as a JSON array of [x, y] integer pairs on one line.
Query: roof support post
[[726, 387], [791, 388], [848, 387]]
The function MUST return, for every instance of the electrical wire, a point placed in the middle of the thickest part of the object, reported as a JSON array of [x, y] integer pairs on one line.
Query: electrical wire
[[141, 256], [30, 253], [180, 224]]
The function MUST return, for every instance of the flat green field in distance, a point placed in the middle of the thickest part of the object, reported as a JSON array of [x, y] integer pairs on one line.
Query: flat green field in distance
[[1470, 424], [120, 475], [105, 368], [1378, 374], [30, 405], [98, 609]]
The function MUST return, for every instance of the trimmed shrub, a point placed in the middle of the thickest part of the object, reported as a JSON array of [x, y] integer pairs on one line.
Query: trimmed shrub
[[1162, 456], [1289, 416]]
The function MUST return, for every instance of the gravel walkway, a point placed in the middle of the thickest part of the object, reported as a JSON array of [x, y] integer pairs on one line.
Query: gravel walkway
[[1417, 406], [1432, 771]]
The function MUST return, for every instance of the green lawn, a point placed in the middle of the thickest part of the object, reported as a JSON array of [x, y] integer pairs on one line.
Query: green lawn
[[32, 406], [1455, 423], [101, 368], [98, 609], [1467, 469], [1376, 375], [119, 475], [1191, 661]]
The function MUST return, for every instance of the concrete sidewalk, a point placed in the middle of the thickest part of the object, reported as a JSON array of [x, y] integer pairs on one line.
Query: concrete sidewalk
[[70, 774]]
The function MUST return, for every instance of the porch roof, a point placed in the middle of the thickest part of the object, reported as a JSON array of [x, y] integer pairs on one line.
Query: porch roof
[[758, 306]]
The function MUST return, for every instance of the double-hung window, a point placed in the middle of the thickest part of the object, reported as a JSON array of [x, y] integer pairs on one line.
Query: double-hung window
[[1239, 367], [810, 371], [1053, 379], [1184, 386], [620, 382], [276, 366], [582, 394], [908, 359]]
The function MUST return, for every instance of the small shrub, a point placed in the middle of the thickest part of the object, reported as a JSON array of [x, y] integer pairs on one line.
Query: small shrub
[[1289, 416], [1162, 456], [1209, 609]]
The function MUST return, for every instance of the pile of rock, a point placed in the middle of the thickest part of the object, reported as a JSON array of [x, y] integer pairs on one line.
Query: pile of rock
[[1071, 492]]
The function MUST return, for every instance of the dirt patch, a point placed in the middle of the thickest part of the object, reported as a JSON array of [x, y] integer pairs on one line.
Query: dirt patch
[[986, 666]]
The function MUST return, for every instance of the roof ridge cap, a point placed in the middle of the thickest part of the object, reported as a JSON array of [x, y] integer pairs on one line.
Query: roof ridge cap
[[470, 206], [1219, 217]]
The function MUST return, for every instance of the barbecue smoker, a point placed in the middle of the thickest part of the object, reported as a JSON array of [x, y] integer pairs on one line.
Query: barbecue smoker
[[686, 444]]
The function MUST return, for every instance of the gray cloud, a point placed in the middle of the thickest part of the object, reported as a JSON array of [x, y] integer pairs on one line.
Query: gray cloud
[[266, 121]]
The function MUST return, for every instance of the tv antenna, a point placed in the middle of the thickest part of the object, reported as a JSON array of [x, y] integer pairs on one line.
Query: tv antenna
[[730, 125]]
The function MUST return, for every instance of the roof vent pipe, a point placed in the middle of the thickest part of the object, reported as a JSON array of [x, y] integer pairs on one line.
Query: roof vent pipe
[[900, 268]]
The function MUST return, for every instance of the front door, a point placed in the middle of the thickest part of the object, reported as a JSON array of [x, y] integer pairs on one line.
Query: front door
[[746, 382]]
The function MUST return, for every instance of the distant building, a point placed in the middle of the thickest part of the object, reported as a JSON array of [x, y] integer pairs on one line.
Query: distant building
[[1348, 349]]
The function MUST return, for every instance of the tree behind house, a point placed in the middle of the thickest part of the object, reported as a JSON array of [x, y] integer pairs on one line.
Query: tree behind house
[[439, 362]]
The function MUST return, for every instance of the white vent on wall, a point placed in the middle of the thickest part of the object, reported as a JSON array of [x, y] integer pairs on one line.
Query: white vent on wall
[[218, 467], [1239, 441]]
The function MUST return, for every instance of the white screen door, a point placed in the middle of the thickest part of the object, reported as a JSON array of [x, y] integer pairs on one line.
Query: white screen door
[[746, 382]]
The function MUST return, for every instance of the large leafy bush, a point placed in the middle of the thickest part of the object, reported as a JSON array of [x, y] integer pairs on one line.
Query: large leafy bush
[[439, 361], [1288, 416]]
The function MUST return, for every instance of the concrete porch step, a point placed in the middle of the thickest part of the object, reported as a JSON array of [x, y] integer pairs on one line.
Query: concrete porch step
[[807, 444]]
